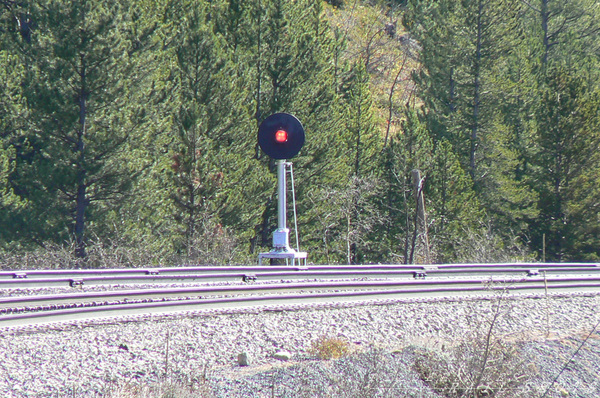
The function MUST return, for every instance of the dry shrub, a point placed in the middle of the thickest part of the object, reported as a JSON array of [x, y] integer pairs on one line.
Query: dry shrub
[[481, 364], [330, 348], [216, 247], [460, 372], [372, 374], [52, 256], [485, 245], [99, 254], [163, 389]]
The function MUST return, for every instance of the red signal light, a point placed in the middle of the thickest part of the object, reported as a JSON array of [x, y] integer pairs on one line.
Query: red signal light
[[281, 136]]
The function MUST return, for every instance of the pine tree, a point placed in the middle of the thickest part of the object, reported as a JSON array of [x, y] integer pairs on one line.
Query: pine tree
[[210, 149], [454, 205], [290, 60], [567, 162], [361, 150], [78, 87], [465, 45], [12, 113], [563, 45], [564, 31], [410, 150], [451, 204]]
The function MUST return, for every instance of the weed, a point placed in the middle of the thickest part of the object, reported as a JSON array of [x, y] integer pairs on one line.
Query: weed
[[167, 388], [482, 364], [330, 348]]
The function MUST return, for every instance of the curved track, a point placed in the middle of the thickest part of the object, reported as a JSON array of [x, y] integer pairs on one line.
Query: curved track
[[247, 287], [89, 277]]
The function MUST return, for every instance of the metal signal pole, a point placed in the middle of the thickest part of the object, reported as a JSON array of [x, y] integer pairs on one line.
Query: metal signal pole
[[281, 236], [281, 136]]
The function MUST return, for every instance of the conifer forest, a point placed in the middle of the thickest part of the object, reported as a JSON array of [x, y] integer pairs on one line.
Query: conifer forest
[[437, 131]]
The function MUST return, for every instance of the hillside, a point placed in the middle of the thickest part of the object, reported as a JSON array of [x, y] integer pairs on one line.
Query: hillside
[[128, 130]]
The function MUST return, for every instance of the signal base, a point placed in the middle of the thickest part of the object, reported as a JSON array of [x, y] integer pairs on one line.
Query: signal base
[[281, 239], [287, 254]]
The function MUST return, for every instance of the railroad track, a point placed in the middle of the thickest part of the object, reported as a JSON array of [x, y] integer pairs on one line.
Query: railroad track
[[273, 287], [88, 277]]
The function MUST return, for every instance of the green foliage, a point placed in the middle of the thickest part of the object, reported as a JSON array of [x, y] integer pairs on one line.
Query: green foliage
[[464, 96], [77, 88], [568, 138], [12, 112], [201, 95], [411, 150], [133, 124], [455, 207]]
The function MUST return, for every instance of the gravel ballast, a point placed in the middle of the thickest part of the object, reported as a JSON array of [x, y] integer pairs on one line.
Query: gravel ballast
[[83, 359]]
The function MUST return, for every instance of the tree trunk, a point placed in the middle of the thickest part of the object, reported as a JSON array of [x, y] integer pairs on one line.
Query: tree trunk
[[81, 201], [420, 223], [476, 93], [545, 15]]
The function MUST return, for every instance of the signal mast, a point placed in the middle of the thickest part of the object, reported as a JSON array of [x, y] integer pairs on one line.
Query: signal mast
[[281, 137]]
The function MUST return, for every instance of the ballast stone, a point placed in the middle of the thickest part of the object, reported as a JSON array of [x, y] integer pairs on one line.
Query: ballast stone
[[243, 359], [283, 355]]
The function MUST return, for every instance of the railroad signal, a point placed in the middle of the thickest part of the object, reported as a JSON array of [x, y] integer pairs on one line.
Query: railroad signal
[[281, 136]]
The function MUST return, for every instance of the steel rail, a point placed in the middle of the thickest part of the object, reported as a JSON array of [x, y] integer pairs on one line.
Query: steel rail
[[75, 273], [288, 294], [51, 278], [185, 292], [80, 273]]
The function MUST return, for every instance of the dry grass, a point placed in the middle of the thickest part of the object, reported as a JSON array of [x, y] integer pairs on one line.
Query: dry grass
[[481, 364], [215, 247], [461, 371], [162, 389], [62, 256], [327, 348]]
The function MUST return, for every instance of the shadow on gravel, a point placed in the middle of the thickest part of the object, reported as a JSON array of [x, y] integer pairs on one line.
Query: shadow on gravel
[[420, 373], [372, 374]]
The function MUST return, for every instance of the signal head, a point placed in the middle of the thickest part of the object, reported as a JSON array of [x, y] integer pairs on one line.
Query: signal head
[[281, 136]]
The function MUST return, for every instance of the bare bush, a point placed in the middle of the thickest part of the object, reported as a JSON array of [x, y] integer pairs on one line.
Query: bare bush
[[348, 219], [52, 256], [163, 389], [367, 376], [99, 254], [215, 245], [482, 364], [486, 246], [180, 387], [370, 374]]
